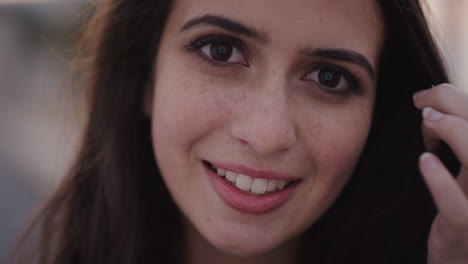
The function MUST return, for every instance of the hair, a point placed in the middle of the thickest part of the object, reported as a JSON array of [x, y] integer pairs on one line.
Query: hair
[[113, 207]]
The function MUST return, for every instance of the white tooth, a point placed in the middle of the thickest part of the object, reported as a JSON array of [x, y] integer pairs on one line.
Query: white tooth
[[244, 182], [221, 172], [281, 184], [271, 185], [259, 186], [231, 176]]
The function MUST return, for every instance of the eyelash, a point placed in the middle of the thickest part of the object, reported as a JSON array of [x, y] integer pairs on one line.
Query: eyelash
[[197, 45], [349, 77]]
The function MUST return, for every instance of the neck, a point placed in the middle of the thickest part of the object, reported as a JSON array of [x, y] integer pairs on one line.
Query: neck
[[200, 251]]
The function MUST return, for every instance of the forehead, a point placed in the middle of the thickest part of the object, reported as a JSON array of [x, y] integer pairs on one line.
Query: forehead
[[302, 16]]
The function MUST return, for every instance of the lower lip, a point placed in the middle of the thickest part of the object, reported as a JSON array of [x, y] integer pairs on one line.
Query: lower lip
[[246, 203]]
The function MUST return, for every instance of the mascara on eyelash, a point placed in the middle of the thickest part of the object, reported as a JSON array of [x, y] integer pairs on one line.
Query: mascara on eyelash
[[202, 41], [197, 45], [349, 77]]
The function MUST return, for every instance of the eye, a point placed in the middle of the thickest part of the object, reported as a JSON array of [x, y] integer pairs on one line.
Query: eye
[[332, 78], [220, 49]]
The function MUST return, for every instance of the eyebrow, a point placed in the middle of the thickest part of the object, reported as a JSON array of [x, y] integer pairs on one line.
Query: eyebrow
[[343, 55], [251, 32], [226, 24]]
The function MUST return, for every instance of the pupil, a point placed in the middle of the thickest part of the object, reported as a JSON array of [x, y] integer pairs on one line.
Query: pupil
[[329, 78], [220, 51]]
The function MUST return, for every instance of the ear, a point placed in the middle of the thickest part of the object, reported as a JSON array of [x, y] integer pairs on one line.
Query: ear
[[148, 100]]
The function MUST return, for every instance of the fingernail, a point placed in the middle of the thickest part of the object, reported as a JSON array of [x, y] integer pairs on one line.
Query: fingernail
[[431, 115], [420, 95], [428, 160]]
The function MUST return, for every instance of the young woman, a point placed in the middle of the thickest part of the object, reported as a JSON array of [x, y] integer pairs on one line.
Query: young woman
[[263, 132]]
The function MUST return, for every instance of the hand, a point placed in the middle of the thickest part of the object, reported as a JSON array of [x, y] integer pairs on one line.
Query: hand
[[445, 112]]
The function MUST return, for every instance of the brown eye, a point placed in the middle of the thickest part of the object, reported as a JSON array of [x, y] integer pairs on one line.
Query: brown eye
[[329, 78], [220, 51]]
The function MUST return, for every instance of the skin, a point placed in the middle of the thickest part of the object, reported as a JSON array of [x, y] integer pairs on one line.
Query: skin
[[263, 115], [446, 118], [259, 111]]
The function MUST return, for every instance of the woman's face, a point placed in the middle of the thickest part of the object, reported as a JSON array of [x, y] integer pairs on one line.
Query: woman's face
[[277, 97]]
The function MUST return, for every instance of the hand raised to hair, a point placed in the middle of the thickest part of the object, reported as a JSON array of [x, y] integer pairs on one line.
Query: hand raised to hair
[[445, 112]]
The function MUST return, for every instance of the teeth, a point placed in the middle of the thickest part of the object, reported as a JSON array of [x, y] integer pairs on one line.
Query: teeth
[[259, 186], [280, 184], [247, 183], [244, 182], [231, 176], [271, 185], [221, 172]]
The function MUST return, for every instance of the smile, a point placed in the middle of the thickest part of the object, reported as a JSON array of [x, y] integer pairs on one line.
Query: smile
[[251, 191], [251, 185]]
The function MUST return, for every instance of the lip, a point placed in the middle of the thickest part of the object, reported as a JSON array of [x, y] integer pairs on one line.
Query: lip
[[246, 203], [263, 174]]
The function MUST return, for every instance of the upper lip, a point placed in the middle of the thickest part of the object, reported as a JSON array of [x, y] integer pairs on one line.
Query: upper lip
[[264, 174]]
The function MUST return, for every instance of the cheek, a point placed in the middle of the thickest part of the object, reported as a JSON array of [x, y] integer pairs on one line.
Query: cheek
[[183, 111], [334, 144], [182, 114], [336, 134], [343, 139]]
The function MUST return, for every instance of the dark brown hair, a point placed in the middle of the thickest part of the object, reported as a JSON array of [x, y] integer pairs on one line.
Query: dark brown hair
[[113, 206]]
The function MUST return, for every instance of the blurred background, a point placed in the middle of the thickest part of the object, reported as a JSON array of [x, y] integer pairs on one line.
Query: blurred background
[[40, 107]]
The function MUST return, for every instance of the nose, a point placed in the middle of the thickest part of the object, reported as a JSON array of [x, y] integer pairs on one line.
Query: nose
[[265, 123]]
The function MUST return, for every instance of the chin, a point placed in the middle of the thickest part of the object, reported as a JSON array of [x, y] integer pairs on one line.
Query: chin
[[252, 248], [243, 242]]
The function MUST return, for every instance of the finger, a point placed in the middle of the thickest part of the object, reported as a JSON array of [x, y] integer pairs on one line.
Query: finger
[[431, 141], [451, 129], [462, 180], [447, 244], [444, 97], [447, 194]]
